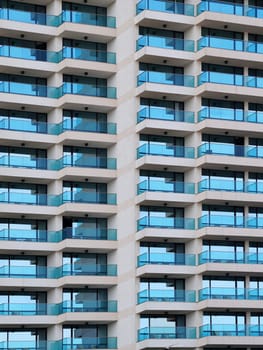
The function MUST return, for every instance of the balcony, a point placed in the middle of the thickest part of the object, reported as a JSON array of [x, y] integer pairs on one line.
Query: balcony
[[87, 161], [167, 6], [165, 78], [161, 295], [230, 79], [57, 200], [30, 54], [88, 55], [56, 57], [230, 221], [30, 162], [230, 294], [230, 149], [90, 233], [229, 257], [230, 185], [89, 343], [11, 271], [22, 235], [88, 197], [88, 306], [230, 44], [234, 330], [230, 114], [230, 8], [11, 87], [30, 344], [79, 269], [162, 113], [34, 309], [87, 18], [165, 222], [89, 90], [166, 333], [166, 259], [37, 309], [30, 125], [29, 198], [165, 43], [157, 149], [84, 125], [11, 14], [163, 186]]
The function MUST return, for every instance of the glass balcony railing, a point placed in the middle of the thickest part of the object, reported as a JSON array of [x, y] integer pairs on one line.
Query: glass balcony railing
[[217, 148], [230, 257], [24, 161], [57, 200], [29, 198], [230, 114], [166, 333], [89, 306], [230, 149], [29, 54], [55, 21], [31, 344], [89, 197], [36, 309], [109, 234], [167, 6], [165, 43], [162, 113], [22, 235], [230, 221], [82, 161], [27, 309], [230, 293], [89, 343], [162, 295], [230, 8], [165, 222], [230, 79], [56, 57], [235, 330], [230, 44], [230, 185], [82, 124], [93, 19], [163, 186], [79, 269], [29, 125], [157, 149], [89, 90], [166, 259], [12, 14], [77, 53], [28, 271], [166, 78], [12, 87], [87, 161]]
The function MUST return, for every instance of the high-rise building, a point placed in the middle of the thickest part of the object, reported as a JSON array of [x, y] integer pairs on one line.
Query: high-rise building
[[131, 168]]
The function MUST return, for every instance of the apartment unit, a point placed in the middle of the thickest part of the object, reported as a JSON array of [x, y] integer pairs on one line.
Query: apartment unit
[[131, 168]]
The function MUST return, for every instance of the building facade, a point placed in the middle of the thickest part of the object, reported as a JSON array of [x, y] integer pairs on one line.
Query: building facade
[[131, 202]]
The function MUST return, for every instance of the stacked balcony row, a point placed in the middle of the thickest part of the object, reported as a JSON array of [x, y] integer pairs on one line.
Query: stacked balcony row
[[227, 7], [75, 13]]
